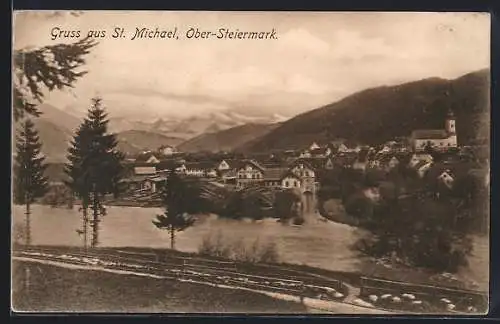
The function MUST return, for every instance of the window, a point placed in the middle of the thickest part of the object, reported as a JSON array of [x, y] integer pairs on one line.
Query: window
[[286, 183], [306, 173], [295, 183], [253, 176]]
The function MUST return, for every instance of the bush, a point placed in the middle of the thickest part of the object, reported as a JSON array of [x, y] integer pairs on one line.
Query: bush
[[298, 220], [238, 250], [417, 231]]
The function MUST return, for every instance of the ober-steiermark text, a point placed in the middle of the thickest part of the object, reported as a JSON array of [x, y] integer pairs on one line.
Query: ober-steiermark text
[[196, 33]]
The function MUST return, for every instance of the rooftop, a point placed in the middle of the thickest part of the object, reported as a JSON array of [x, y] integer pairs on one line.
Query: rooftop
[[429, 134]]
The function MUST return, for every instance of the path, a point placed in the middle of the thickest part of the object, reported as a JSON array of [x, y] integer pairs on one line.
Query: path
[[315, 305]]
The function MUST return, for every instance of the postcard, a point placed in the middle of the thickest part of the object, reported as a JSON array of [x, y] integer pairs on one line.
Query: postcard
[[250, 162]]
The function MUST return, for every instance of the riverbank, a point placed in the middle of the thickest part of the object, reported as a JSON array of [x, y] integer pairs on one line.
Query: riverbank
[[317, 287]]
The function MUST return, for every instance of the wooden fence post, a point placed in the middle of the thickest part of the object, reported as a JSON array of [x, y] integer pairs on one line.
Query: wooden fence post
[[302, 292]]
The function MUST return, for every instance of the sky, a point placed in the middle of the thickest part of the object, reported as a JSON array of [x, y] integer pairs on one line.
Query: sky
[[317, 58]]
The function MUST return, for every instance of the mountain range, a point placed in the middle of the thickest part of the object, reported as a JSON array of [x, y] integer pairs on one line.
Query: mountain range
[[370, 116], [56, 128], [227, 140], [376, 115], [190, 127]]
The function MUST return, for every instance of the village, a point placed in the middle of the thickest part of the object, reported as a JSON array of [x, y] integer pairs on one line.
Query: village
[[300, 170]]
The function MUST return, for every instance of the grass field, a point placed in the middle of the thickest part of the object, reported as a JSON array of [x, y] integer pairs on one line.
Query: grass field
[[55, 289]]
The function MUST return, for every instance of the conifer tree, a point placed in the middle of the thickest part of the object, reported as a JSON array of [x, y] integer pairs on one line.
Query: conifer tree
[[29, 167], [46, 68], [95, 167], [178, 203]]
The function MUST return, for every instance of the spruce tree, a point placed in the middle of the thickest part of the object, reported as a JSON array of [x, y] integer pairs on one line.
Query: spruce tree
[[46, 68], [95, 167], [177, 203], [29, 167]]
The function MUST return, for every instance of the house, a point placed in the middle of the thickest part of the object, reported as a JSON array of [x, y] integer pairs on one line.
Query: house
[[202, 169], [440, 139], [272, 176], [250, 172], [306, 173], [422, 167], [329, 164], [147, 157], [135, 182], [447, 178], [320, 152], [290, 181], [372, 193], [385, 149], [154, 184], [417, 157], [146, 163], [166, 150], [305, 154], [144, 169], [314, 146], [224, 165], [343, 148]]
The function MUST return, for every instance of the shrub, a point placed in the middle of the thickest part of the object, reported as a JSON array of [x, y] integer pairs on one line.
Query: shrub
[[238, 250], [298, 220]]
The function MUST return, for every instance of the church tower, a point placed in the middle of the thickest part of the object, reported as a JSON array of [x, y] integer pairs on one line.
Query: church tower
[[450, 123]]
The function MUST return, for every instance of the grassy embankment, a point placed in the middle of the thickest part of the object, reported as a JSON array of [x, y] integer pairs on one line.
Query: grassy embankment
[[53, 289]]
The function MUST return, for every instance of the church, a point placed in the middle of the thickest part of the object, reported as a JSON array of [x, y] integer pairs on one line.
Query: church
[[441, 139]]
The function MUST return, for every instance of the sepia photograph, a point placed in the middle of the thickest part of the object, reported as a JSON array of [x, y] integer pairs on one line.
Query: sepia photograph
[[235, 162]]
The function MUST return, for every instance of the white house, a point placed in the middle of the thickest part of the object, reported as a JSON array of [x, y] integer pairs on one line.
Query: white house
[[447, 178], [145, 169], [314, 146], [343, 148], [416, 158], [223, 166], [167, 150], [422, 168], [290, 180], [372, 193], [249, 172]]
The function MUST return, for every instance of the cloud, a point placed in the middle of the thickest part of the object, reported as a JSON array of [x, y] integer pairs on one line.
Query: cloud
[[298, 39], [318, 58]]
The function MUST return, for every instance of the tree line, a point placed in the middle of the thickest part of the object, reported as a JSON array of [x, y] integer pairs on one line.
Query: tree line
[[416, 220]]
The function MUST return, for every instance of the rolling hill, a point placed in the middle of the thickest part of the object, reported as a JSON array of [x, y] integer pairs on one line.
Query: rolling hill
[[379, 114], [54, 138], [226, 140]]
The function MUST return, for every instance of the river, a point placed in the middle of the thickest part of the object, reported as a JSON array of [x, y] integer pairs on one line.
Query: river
[[317, 243]]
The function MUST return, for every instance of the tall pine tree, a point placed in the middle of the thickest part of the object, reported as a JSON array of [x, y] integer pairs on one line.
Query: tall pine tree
[[178, 203], [95, 167], [29, 167]]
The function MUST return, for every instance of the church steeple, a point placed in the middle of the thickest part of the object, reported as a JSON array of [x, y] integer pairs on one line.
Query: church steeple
[[450, 123]]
